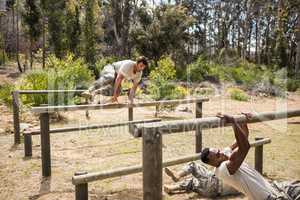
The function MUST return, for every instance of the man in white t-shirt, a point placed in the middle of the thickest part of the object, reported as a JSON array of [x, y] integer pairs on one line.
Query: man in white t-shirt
[[232, 170], [112, 76]]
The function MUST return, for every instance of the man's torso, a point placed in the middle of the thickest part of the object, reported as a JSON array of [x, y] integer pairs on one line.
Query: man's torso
[[247, 180]]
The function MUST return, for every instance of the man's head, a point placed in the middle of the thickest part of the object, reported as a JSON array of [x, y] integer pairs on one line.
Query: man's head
[[213, 157], [141, 63]]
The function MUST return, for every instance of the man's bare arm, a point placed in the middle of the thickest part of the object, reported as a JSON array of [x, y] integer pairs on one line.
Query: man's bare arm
[[239, 154], [245, 130], [117, 86], [132, 92]]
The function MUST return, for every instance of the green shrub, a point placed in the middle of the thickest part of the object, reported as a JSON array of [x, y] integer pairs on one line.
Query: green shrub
[[238, 94], [198, 70], [34, 80], [179, 92], [160, 79], [293, 85], [5, 94], [61, 74]]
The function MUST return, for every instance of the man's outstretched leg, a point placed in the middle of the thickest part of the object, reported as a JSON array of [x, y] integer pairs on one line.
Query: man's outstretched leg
[[203, 182]]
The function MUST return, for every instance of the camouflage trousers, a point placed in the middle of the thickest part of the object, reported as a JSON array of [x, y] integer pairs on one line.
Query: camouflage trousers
[[105, 83], [287, 190], [203, 182]]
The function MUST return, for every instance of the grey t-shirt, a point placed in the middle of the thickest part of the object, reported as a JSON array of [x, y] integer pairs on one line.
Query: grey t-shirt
[[125, 67]]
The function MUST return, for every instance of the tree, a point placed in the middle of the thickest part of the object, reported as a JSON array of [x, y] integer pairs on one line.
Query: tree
[[43, 5], [118, 22], [281, 43], [165, 33], [57, 27], [32, 19], [297, 65], [91, 30], [73, 29]]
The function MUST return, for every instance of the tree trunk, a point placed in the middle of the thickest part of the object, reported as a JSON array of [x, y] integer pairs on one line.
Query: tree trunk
[[233, 36], [18, 39], [239, 41], [297, 66], [256, 40], [31, 56], [44, 40]]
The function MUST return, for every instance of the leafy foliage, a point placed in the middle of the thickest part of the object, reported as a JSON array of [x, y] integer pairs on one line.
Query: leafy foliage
[[163, 32], [3, 57], [5, 94], [63, 74], [161, 85], [238, 94]]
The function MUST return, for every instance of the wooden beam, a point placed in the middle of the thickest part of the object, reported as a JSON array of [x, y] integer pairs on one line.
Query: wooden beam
[[258, 156], [152, 165], [81, 190], [95, 176], [16, 116], [90, 127], [130, 118], [175, 126], [49, 91], [28, 145], [45, 145], [198, 132], [28, 133], [51, 109]]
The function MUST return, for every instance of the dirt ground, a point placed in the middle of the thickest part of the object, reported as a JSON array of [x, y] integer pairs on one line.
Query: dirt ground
[[97, 150]]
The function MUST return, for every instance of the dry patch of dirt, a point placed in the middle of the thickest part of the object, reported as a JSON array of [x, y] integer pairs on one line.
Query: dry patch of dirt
[[96, 150]]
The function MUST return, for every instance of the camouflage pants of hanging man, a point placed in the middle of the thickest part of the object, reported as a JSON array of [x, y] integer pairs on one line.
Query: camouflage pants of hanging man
[[203, 182]]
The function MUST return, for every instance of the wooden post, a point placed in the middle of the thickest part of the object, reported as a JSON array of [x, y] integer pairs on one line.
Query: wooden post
[[259, 157], [16, 116], [45, 144], [28, 145], [156, 110], [198, 132], [130, 118], [152, 165], [81, 190]]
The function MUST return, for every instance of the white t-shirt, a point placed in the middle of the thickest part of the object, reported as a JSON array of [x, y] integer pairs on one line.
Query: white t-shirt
[[125, 67], [246, 180]]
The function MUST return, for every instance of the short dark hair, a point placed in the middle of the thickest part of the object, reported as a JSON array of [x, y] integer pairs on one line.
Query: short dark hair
[[204, 155], [142, 59]]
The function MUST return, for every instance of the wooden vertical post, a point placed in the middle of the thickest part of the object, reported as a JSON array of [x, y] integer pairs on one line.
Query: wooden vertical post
[[28, 145], [259, 157], [152, 165], [198, 132], [130, 118], [156, 110], [45, 144], [16, 116], [81, 190]]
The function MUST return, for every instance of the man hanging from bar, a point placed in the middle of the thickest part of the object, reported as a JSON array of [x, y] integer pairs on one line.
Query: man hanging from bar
[[112, 76], [231, 173]]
